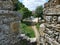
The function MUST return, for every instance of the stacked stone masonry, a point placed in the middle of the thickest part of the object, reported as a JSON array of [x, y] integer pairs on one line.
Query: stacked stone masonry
[[9, 23], [52, 22]]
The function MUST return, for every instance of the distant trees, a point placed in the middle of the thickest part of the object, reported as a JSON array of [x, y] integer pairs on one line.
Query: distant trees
[[18, 6], [39, 12], [23, 10], [27, 13]]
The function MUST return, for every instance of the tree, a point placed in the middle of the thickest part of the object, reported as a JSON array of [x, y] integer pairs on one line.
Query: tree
[[39, 12], [18, 6], [25, 12], [22, 9]]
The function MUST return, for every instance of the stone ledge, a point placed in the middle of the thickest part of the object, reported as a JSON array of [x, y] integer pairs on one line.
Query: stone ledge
[[12, 13]]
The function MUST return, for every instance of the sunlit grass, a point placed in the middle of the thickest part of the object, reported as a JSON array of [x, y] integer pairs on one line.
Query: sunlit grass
[[27, 30]]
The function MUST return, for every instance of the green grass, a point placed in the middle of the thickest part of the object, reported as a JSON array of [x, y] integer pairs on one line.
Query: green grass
[[38, 26], [27, 30]]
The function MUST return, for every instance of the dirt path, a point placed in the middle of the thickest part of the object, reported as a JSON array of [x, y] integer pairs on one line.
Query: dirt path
[[36, 34]]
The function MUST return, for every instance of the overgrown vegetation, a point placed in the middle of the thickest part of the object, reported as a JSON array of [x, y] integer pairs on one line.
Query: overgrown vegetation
[[25, 12], [27, 30], [38, 26]]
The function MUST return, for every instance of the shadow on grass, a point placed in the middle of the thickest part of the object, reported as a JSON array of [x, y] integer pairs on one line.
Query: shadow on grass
[[28, 23]]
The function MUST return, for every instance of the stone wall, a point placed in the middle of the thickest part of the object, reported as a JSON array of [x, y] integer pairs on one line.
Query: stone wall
[[52, 24], [9, 23], [7, 36]]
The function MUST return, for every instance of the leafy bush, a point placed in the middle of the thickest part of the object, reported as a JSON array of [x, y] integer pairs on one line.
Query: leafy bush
[[27, 30]]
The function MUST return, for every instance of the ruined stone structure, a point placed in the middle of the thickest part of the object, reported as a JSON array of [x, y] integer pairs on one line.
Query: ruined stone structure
[[9, 23], [52, 22]]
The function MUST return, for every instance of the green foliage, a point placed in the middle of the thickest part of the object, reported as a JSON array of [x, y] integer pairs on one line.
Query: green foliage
[[27, 30], [39, 11], [22, 9], [18, 6], [38, 26], [25, 12]]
